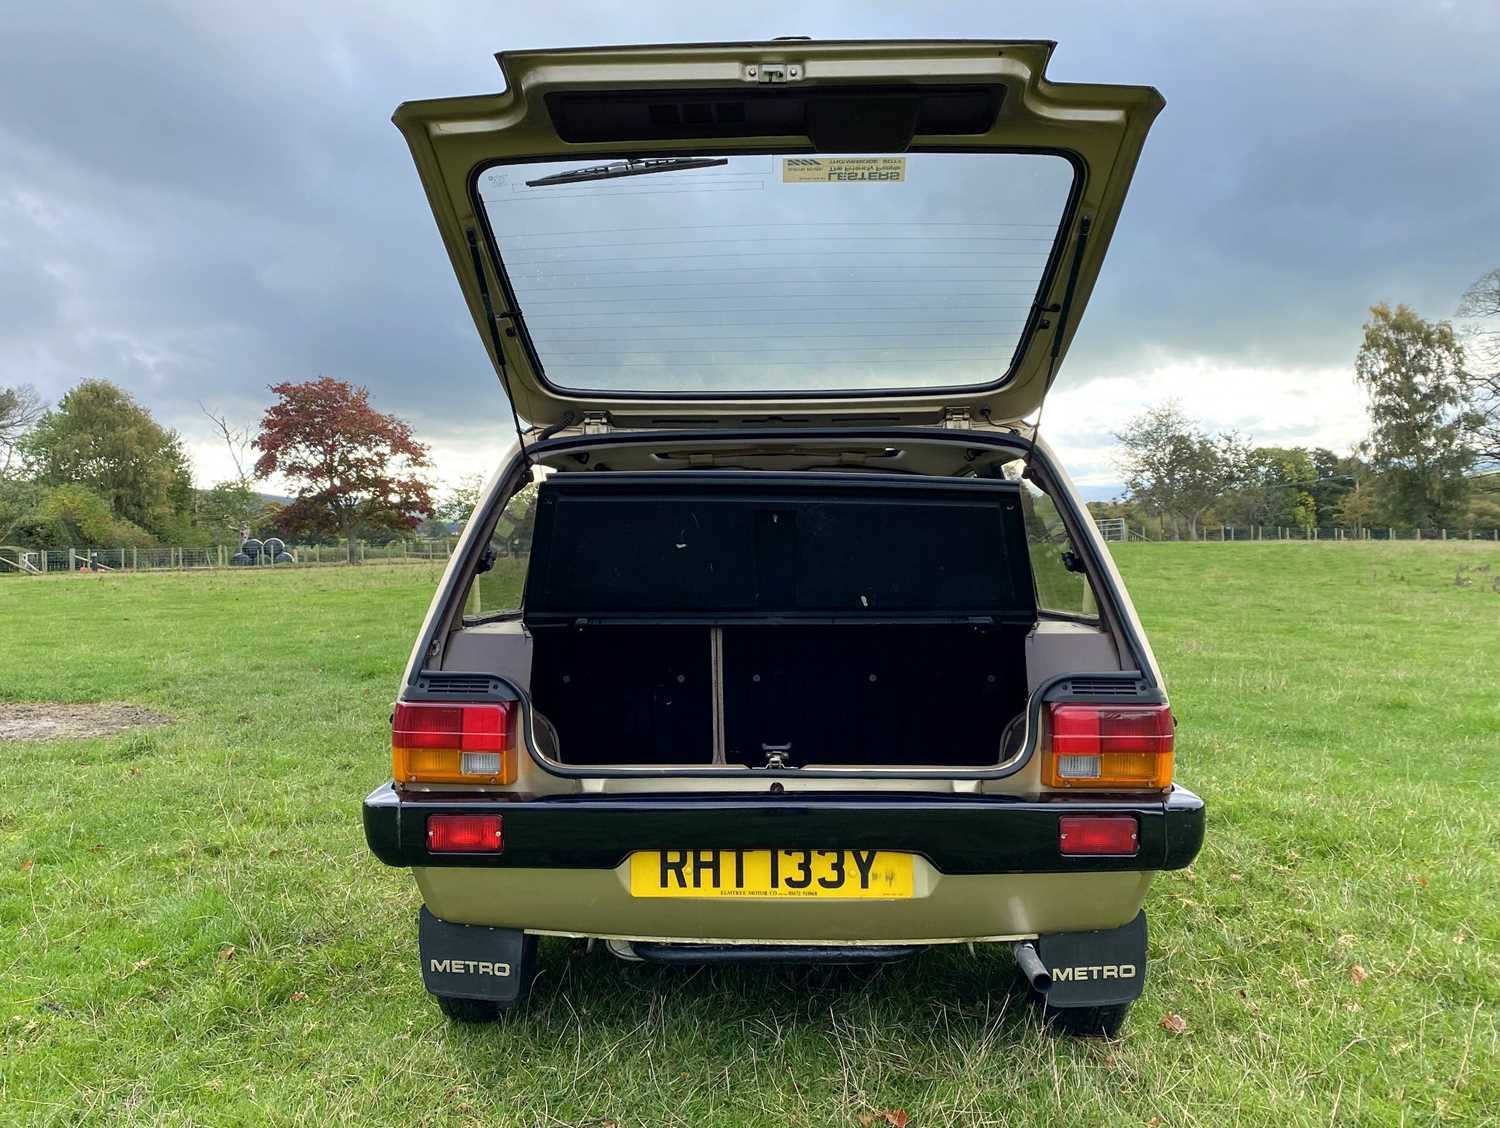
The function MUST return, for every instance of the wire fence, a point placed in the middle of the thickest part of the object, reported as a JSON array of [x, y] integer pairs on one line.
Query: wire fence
[[16, 560], [1117, 529]]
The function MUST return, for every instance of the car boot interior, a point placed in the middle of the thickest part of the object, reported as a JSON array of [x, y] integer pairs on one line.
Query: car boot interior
[[757, 619]]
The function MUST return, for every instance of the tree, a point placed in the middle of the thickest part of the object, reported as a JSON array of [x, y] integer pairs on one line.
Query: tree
[[461, 500], [1481, 305], [1484, 503], [232, 505], [18, 497], [101, 439], [71, 515], [20, 407], [354, 469], [1175, 470], [1360, 507], [1420, 444], [233, 509], [1274, 489], [1337, 477]]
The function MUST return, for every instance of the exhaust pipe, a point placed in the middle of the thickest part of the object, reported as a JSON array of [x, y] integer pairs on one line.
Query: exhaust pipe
[[1032, 967]]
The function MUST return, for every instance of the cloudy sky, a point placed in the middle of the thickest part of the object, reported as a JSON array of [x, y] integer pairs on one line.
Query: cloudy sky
[[199, 199]]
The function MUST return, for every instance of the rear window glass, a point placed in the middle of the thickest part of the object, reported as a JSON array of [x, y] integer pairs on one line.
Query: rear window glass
[[770, 273]]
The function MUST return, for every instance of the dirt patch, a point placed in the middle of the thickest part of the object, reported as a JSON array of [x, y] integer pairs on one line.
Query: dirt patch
[[72, 722]]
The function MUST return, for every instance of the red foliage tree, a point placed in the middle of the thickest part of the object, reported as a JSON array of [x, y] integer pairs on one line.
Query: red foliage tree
[[353, 467]]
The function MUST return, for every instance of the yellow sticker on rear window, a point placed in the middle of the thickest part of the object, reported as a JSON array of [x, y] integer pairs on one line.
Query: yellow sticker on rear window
[[853, 170]]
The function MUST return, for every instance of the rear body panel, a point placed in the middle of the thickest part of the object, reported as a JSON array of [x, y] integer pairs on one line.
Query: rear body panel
[[953, 909]]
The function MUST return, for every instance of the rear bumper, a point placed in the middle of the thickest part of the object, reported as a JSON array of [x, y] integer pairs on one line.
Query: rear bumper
[[957, 834], [988, 868]]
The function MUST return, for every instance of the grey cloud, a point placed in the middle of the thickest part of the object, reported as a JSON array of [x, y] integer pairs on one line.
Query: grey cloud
[[198, 200]]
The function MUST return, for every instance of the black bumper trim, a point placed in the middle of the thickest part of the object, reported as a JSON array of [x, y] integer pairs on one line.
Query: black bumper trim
[[959, 834]]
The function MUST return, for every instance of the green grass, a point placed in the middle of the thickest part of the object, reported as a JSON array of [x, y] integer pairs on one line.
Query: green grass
[[1338, 708]]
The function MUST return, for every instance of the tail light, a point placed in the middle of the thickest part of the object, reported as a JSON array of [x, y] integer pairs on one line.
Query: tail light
[[451, 743], [1125, 747]]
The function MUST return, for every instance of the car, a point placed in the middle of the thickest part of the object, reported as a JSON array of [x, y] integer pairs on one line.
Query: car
[[780, 632]]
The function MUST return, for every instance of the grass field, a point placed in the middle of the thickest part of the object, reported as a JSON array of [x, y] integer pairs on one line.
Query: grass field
[[191, 930]]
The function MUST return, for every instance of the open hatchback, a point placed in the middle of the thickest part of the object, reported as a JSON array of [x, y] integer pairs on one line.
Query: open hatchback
[[782, 634]]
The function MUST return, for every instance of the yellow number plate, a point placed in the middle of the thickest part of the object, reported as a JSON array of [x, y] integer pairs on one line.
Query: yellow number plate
[[770, 873]]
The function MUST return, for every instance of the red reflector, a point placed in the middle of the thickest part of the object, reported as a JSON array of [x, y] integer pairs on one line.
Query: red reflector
[[467, 834], [1098, 834], [468, 728]]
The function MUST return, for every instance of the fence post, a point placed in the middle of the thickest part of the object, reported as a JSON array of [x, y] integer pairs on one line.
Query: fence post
[[72, 561]]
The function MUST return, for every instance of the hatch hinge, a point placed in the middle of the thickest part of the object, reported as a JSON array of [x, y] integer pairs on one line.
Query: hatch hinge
[[771, 72], [595, 423], [957, 419]]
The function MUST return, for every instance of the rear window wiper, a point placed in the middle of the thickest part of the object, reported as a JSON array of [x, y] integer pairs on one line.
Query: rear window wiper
[[626, 168]]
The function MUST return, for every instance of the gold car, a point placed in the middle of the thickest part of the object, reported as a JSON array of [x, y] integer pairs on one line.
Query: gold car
[[782, 634]]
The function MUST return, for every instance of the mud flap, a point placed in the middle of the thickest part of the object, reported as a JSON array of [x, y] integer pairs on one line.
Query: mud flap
[[470, 961], [1095, 969]]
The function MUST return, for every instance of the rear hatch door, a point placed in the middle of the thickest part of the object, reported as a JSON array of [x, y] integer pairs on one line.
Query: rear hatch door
[[843, 233]]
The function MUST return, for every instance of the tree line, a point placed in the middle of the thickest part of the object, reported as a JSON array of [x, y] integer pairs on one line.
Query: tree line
[[97, 470], [1431, 458]]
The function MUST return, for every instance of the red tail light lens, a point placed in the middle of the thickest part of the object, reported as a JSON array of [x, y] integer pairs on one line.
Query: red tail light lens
[[1109, 746], [451, 743], [1099, 834], [464, 834]]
